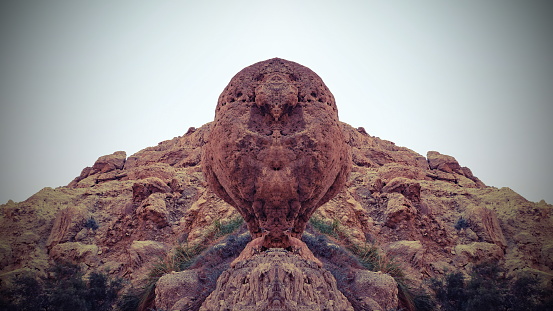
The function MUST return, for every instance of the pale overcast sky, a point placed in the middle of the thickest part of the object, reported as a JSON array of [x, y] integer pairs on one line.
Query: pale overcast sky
[[81, 79]]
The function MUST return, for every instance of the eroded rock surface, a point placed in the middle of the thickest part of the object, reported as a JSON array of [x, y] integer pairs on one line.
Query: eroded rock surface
[[276, 151], [276, 280]]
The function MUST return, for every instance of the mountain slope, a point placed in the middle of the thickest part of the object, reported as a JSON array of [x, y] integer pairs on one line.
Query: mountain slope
[[124, 213]]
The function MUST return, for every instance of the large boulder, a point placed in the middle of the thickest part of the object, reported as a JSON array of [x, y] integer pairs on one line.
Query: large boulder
[[276, 151], [374, 291], [179, 291]]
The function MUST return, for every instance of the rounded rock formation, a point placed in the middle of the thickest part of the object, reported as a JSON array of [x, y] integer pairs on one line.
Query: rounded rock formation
[[276, 151]]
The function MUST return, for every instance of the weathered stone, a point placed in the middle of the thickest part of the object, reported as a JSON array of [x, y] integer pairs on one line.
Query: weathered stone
[[6, 255], [179, 291], [276, 280], [154, 209], [409, 251], [477, 252], [442, 162], [104, 164], [483, 221], [67, 224], [447, 168], [276, 151], [398, 210], [141, 252], [28, 237], [408, 188], [547, 255], [32, 228], [110, 162], [75, 252], [374, 291], [143, 188]]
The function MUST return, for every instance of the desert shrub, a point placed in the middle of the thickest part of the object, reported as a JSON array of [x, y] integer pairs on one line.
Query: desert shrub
[[324, 227], [528, 294], [340, 261], [461, 224], [422, 301], [450, 292], [373, 259], [211, 260], [62, 289], [488, 288], [229, 248], [368, 255], [129, 301], [27, 293], [180, 259], [91, 223], [226, 228]]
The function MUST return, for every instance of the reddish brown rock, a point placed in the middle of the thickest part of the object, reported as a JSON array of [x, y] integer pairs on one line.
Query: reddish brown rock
[[374, 290], [276, 280], [276, 150], [447, 168], [179, 291], [442, 162], [408, 188], [145, 187], [483, 221], [75, 252], [67, 224], [104, 164]]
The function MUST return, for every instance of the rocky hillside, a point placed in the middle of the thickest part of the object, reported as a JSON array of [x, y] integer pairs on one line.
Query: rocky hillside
[[123, 214]]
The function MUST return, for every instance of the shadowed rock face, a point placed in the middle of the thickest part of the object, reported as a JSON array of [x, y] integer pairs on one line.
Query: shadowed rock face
[[276, 151]]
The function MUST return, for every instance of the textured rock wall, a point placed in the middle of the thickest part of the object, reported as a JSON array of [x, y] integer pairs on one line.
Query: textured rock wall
[[276, 280]]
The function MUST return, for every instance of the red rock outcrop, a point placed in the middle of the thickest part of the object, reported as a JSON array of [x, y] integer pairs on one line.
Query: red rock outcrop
[[276, 280], [276, 151]]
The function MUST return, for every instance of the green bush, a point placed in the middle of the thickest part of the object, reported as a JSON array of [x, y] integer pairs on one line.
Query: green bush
[[330, 229], [62, 289]]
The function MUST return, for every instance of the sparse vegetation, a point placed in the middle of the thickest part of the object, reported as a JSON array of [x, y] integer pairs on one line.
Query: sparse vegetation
[[91, 223], [64, 288], [372, 258], [180, 259], [488, 288], [328, 228], [129, 301], [226, 228], [368, 256], [461, 223], [188, 257]]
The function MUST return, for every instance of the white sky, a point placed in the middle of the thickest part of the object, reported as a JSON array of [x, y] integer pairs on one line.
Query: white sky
[[81, 79]]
